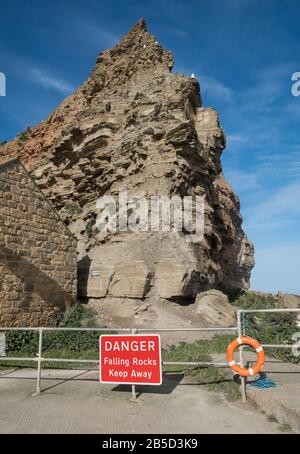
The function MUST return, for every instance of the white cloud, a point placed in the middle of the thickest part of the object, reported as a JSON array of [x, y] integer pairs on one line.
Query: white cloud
[[280, 209], [93, 33], [30, 70], [49, 81], [215, 88], [238, 138]]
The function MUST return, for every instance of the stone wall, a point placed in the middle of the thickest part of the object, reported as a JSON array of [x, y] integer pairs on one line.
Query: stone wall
[[38, 271]]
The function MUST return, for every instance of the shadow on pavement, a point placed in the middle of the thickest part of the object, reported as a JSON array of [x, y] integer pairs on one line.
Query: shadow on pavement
[[170, 381]]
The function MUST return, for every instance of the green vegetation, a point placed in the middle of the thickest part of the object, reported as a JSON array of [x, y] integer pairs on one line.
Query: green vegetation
[[268, 328], [282, 427], [89, 227], [253, 300], [24, 134], [3, 142], [285, 428], [272, 418], [57, 344], [73, 209], [214, 378]]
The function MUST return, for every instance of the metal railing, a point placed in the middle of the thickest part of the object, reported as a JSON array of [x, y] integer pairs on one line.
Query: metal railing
[[239, 330], [39, 359], [242, 331]]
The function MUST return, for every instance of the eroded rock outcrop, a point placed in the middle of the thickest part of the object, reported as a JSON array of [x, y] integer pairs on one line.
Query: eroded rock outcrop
[[134, 124], [214, 307]]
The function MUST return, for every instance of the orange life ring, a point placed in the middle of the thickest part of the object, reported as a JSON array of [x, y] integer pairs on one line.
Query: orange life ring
[[245, 340]]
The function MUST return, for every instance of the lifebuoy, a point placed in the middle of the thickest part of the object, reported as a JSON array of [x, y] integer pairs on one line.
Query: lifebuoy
[[245, 340]]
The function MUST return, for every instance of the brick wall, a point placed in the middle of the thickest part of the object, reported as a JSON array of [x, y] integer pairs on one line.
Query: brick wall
[[38, 259]]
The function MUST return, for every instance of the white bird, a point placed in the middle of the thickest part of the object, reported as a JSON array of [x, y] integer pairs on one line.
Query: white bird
[[193, 76], [144, 46]]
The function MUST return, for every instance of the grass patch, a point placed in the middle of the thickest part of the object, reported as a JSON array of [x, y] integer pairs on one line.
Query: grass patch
[[73, 209], [285, 428], [216, 379], [198, 351], [253, 300], [272, 418]]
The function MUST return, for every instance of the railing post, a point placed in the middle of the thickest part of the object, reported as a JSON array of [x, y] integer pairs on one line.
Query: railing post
[[241, 355], [39, 360], [133, 390]]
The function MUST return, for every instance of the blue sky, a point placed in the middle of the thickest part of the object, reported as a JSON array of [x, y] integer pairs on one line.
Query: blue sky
[[243, 52]]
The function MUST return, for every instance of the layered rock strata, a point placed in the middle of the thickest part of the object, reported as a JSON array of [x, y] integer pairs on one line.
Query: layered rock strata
[[135, 125]]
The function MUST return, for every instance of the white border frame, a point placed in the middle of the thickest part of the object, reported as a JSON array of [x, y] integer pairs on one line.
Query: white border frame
[[131, 383]]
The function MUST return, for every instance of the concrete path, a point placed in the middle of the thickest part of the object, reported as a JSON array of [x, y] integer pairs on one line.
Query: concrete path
[[75, 402], [283, 402]]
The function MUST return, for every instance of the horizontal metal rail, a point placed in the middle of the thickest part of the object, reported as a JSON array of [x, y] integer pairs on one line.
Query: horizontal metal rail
[[272, 346], [144, 330], [278, 345], [46, 328], [15, 358], [39, 359], [96, 361], [127, 330], [190, 363], [270, 310]]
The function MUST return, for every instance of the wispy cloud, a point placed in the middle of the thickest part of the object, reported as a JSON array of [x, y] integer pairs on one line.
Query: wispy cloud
[[28, 69], [93, 33], [49, 81], [215, 88], [237, 139], [242, 181], [177, 32], [278, 210], [267, 90], [209, 85]]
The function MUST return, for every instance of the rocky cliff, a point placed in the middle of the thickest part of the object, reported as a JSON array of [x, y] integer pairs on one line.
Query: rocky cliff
[[134, 124]]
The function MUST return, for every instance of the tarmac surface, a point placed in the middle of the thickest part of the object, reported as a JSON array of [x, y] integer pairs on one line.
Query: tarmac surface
[[283, 401], [73, 401]]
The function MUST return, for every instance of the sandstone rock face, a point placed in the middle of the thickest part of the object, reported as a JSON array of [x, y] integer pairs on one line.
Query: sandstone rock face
[[214, 308], [135, 125]]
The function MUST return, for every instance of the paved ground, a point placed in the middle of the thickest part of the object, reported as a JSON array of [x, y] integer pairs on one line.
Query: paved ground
[[283, 401], [75, 402]]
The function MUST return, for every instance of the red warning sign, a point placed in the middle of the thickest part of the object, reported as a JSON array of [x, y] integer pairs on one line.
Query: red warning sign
[[130, 360]]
